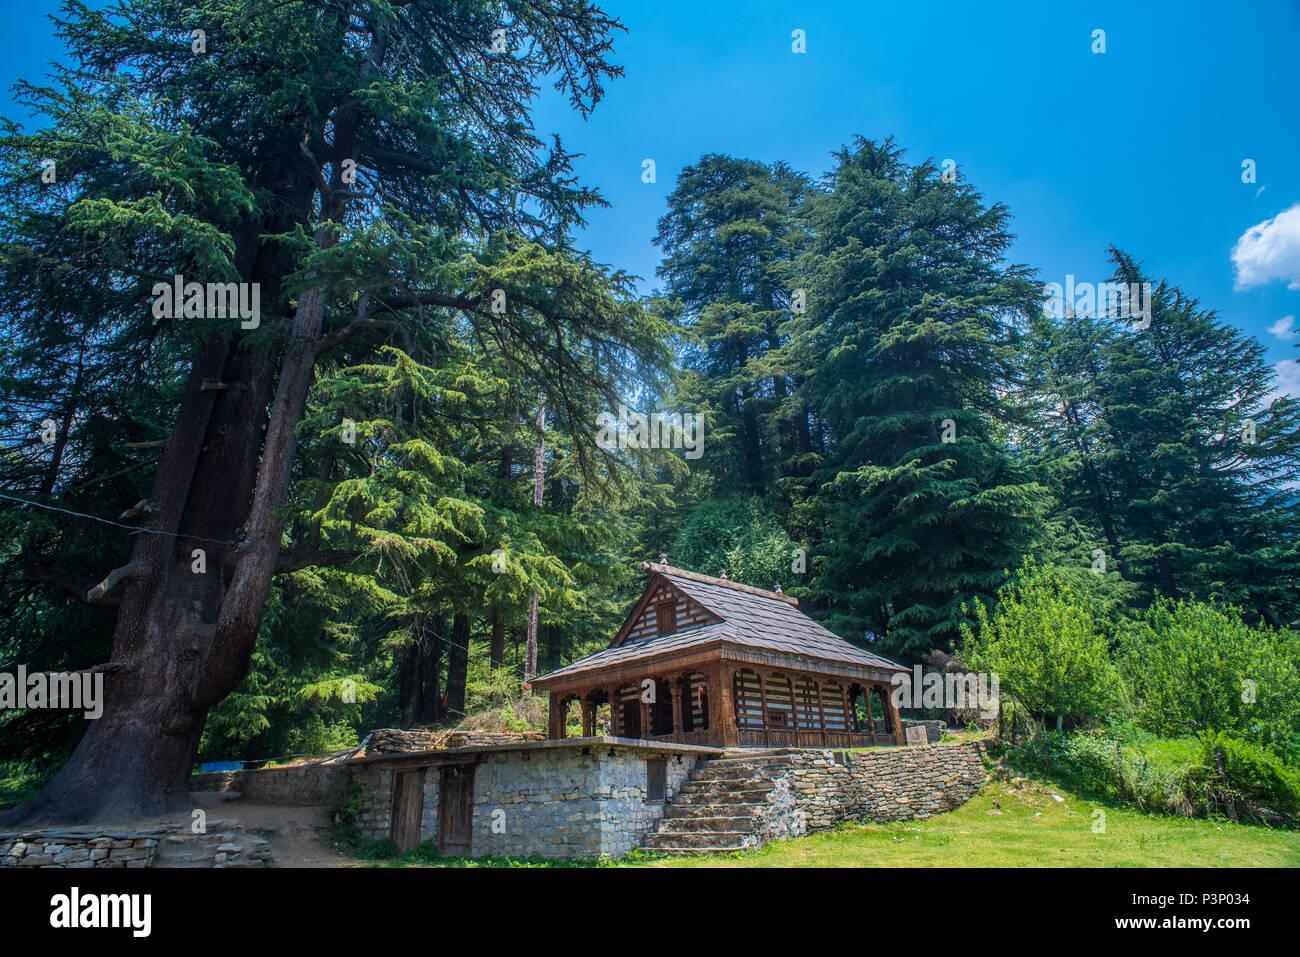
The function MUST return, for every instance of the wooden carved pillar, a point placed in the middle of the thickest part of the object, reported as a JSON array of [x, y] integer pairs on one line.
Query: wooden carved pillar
[[762, 698], [646, 709], [821, 710], [616, 713], [555, 723], [588, 718], [895, 719], [677, 706], [794, 707], [722, 705]]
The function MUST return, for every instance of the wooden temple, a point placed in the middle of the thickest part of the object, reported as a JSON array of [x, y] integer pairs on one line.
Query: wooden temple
[[704, 660]]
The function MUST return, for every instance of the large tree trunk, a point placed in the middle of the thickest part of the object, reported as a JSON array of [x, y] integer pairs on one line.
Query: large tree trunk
[[498, 651], [183, 640], [431, 711], [457, 667], [539, 474]]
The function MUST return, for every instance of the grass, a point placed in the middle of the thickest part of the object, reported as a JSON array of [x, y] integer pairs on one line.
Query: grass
[[1025, 826], [1005, 825], [21, 781]]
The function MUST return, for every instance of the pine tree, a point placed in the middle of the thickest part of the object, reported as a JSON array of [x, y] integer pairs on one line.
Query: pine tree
[[910, 346], [1165, 439], [372, 170], [730, 235]]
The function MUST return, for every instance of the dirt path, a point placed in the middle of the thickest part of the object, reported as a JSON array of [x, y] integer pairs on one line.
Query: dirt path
[[297, 836]]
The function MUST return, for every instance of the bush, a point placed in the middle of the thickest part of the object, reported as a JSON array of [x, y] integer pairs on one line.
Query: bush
[[315, 736], [1116, 765], [1194, 667], [1250, 774], [1044, 642]]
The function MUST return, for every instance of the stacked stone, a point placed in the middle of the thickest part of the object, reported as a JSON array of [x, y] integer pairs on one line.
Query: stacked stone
[[487, 739], [226, 849], [167, 846], [934, 729], [313, 784], [886, 785], [396, 741], [78, 849], [376, 802], [565, 803]]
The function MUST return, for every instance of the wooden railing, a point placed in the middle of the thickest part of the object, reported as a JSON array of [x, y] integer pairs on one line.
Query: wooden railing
[[771, 738]]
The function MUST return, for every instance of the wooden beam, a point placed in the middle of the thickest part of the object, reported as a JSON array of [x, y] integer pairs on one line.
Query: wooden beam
[[722, 691], [892, 709], [646, 709]]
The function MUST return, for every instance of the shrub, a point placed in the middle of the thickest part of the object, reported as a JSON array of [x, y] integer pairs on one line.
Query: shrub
[[1194, 667], [1044, 642], [1249, 773]]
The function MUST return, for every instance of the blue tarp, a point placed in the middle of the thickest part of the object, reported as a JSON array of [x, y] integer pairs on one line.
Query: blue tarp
[[221, 766]]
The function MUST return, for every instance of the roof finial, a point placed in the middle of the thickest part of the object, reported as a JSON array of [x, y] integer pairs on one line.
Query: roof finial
[[663, 558], [723, 574], [777, 588]]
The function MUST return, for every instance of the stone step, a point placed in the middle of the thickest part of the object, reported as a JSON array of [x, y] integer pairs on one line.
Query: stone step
[[706, 823], [734, 840], [741, 759], [680, 811], [723, 796], [713, 778], [677, 851]]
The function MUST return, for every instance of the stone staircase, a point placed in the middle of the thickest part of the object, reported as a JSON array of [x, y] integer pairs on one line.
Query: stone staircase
[[719, 807]]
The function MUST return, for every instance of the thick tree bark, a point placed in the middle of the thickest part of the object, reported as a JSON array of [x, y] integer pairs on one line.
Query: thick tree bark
[[410, 686], [498, 651], [530, 664], [183, 639], [457, 668], [431, 710]]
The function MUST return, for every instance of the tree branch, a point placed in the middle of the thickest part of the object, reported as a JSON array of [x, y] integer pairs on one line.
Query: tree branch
[[296, 559], [111, 581]]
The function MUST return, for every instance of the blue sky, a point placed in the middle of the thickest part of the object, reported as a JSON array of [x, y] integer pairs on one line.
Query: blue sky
[[1140, 146]]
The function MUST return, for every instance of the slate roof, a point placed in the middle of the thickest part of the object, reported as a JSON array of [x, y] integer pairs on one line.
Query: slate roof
[[750, 617], [645, 648]]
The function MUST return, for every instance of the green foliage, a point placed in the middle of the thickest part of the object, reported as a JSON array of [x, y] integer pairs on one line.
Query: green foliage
[[1044, 641], [1193, 667], [1249, 773], [1100, 764], [738, 535], [1169, 448], [910, 344]]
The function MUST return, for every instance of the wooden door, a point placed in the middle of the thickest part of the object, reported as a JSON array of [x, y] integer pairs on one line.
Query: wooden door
[[408, 808], [456, 810]]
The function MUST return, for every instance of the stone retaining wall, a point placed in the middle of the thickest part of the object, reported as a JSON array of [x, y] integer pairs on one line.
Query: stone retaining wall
[[575, 801], [166, 846], [823, 788], [77, 849], [308, 784]]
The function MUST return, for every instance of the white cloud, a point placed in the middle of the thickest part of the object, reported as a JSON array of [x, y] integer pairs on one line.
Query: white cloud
[[1284, 328], [1288, 380], [1269, 251]]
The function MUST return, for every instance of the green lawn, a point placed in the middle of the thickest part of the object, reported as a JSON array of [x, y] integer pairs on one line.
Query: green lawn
[[1003, 826], [1024, 827]]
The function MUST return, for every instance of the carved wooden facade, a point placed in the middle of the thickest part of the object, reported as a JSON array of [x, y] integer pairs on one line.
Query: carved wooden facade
[[704, 660]]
